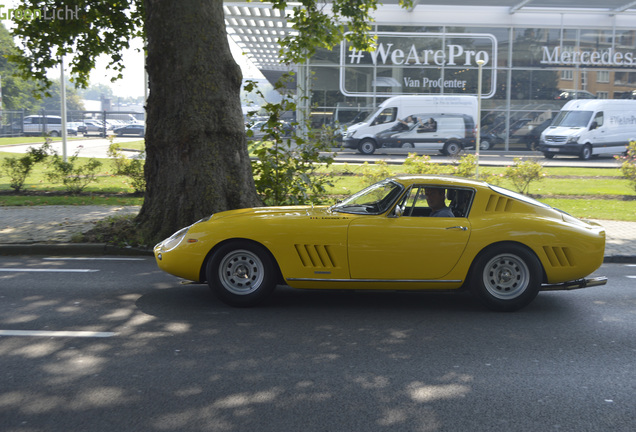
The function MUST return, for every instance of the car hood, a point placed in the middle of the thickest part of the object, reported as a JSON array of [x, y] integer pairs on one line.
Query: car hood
[[280, 212]]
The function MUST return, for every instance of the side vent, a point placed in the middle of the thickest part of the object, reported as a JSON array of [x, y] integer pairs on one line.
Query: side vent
[[498, 203], [559, 256], [315, 256]]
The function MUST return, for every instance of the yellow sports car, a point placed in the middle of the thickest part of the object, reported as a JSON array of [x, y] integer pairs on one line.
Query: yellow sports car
[[403, 233]]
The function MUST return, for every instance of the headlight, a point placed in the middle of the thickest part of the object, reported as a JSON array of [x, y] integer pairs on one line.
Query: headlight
[[174, 240], [574, 139]]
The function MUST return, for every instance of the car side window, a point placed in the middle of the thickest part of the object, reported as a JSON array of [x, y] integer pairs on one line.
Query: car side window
[[388, 115], [414, 203], [598, 119]]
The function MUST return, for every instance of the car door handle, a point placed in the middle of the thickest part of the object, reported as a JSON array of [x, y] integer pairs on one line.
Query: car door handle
[[459, 227]]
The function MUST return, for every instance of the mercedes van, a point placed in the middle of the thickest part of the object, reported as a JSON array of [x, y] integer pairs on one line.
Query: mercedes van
[[592, 127], [363, 136]]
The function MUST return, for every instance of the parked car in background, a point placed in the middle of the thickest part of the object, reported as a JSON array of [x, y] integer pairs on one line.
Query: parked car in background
[[502, 246], [131, 129], [37, 125], [94, 127]]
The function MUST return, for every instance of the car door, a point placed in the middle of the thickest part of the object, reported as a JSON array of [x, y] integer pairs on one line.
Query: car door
[[407, 247]]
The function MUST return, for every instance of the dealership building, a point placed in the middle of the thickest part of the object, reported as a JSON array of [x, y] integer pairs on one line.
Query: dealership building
[[533, 56]]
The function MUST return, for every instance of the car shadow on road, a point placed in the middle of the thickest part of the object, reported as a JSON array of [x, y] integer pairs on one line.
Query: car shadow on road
[[197, 301]]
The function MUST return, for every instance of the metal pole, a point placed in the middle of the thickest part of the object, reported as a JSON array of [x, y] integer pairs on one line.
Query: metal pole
[[63, 107], [480, 63]]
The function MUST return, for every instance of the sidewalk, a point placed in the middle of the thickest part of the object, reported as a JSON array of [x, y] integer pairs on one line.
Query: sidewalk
[[50, 230]]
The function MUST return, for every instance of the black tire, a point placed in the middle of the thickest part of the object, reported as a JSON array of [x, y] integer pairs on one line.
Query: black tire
[[241, 273], [586, 152], [54, 134], [506, 277], [408, 146], [452, 148], [548, 155], [367, 147]]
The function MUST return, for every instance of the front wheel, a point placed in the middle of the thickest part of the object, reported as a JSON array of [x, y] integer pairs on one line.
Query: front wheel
[[241, 274], [586, 152], [506, 278], [367, 147], [408, 145]]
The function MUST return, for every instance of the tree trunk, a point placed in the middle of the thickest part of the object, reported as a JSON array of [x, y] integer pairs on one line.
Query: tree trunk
[[196, 153]]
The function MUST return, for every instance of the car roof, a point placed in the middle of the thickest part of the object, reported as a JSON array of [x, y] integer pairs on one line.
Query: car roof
[[408, 180]]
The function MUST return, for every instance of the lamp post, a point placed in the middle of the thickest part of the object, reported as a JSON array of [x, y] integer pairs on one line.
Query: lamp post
[[480, 63], [63, 107]]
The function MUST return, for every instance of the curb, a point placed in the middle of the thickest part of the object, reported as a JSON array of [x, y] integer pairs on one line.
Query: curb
[[71, 249]]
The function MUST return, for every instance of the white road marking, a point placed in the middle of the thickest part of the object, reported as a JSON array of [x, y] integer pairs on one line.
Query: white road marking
[[41, 270], [49, 333]]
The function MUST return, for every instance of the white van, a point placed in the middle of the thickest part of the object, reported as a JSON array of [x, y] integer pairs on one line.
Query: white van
[[587, 128], [398, 109], [41, 125]]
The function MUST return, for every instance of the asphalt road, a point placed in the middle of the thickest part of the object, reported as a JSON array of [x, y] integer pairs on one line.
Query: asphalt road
[[128, 348]]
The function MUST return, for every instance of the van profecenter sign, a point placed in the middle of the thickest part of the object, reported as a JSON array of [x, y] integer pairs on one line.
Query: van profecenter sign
[[419, 63]]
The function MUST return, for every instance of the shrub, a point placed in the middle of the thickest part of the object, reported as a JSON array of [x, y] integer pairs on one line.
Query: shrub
[[131, 168], [19, 168], [628, 167], [414, 164], [376, 172], [522, 173], [74, 176], [286, 169]]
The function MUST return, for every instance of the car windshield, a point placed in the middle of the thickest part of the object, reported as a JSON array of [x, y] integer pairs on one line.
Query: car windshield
[[572, 119], [375, 199]]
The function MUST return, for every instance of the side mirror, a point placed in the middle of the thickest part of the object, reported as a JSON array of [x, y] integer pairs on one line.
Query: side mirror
[[594, 125], [398, 212]]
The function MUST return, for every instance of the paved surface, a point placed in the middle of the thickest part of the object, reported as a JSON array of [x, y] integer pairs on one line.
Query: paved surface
[[51, 229]]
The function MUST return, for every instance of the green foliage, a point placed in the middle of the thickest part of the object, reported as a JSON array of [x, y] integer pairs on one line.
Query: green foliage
[[466, 166], [131, 168], [19, 168], [414, 164], [522, 173], [319, 28], [74, 176], [100, 28], [286, 169], [376, 172], [628, 167]]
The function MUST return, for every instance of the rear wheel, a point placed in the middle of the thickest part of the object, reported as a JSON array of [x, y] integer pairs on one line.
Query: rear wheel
[[241, 273], [485, 144], [407, 145], [506, 277], [451, 148]]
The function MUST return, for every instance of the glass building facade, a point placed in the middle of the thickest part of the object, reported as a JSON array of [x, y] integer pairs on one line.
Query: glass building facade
[[528, 73]]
